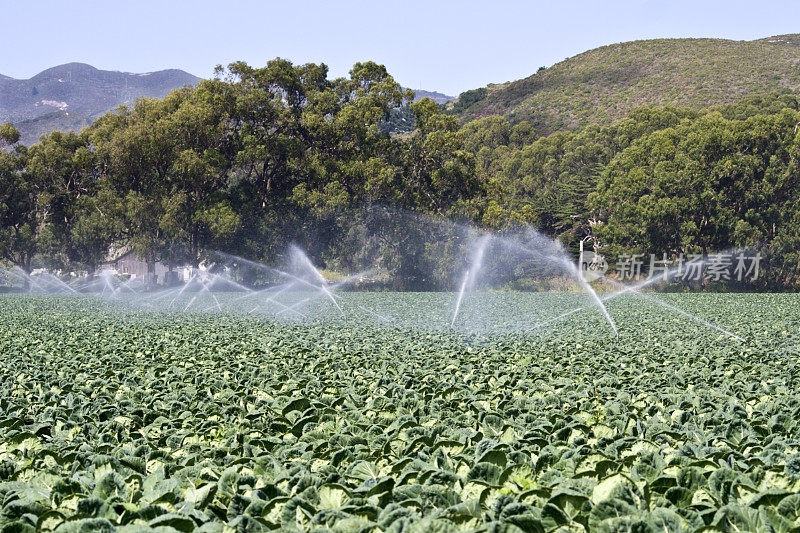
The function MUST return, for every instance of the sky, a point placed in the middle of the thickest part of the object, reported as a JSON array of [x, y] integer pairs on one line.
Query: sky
[[446, 46]]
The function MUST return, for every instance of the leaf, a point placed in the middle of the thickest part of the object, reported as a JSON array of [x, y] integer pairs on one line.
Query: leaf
[[609, 510], [201, 496], [364, 470], [296, 404], [474, 491], [273, 510], [662, 519], [662, 484], [769, 497], [175, 521], [86, 525], [679, 496], [333, 497], [487, 473], [617, 486], [571, 503], [463, 514], [495, 457], [789, 507], [721, 483], [736, 518]]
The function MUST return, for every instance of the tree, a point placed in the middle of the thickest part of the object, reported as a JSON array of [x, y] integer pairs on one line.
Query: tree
[[704, 186], [166, 161], [272, 142], [309, 148], [18, 220], [546, 181], [62, 168], [199, 214], [8, 134], [96, 226], [438, 174], [134, 154]]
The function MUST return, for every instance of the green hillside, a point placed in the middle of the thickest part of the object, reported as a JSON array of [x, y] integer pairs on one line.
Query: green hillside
[[602, 85]]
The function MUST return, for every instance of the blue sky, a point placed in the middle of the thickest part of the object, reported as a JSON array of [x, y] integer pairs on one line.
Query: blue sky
[[449, 46]]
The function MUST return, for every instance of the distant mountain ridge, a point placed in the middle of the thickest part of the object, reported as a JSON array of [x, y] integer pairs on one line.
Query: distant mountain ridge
[[439, 98], [73, 95], [604, 84], [792, 39]]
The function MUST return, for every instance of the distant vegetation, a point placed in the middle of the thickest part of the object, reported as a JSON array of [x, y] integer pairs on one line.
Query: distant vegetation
[[468, 99], [260, 157], [663, 180], [603, 85], [401, 119]]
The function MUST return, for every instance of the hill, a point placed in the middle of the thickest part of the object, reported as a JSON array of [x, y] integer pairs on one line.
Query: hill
[[439, 98], [71, 96], [604, 84], [792, 39]]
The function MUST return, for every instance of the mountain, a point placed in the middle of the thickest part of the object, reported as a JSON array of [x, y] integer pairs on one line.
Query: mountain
[[439, 98], [73, 95], [792, 39], [604, 84]]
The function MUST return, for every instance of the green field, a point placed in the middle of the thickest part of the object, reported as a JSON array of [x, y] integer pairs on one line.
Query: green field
[[129, 419]]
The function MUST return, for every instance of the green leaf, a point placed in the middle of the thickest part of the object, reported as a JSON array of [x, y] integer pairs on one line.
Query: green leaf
[[201, 496], [333, 497], [175, 521], [365, 470]]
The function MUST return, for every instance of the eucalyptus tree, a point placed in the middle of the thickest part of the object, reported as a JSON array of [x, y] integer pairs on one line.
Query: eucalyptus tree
[[309, 147], [705, 186], [165, 162], [61, 167], [18, 215]]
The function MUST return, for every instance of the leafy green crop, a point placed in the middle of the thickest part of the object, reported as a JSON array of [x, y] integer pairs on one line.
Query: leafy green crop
[[177, 422]]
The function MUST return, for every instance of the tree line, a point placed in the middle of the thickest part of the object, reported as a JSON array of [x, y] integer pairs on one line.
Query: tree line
[[245, 162], [256, 158], [661, 181]]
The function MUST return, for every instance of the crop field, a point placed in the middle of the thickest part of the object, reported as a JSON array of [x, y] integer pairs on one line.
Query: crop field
[[133, 420]]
